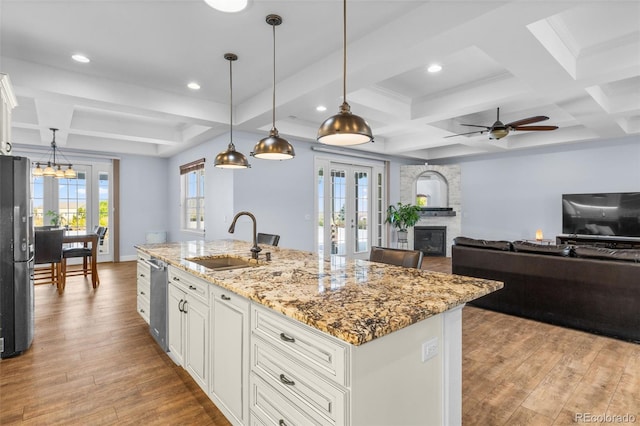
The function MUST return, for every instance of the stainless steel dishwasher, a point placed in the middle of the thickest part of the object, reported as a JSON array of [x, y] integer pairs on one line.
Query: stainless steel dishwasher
[[158, 305]]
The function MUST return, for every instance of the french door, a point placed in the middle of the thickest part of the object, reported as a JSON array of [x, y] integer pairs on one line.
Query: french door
[[78, 204], [349, 208]]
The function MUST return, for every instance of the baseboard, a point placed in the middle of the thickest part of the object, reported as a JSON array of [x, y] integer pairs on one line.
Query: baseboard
[[128, 258]]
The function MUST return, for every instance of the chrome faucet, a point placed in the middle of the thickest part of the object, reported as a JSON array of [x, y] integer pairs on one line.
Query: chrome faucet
[[255, 249]]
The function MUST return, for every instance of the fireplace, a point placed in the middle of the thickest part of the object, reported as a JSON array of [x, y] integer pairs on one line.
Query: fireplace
[[431, 240]]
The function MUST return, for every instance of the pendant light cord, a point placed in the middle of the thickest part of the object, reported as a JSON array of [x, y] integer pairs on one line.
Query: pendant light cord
[[273, 109], [344, 51], [231, 104]]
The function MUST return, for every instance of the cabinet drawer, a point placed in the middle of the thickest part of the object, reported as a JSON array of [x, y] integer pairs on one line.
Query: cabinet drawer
[[309, 392], [143, 256], [192, 285], [143, 271], [272, 408], [143, 307], [144, 287], [313, 349]]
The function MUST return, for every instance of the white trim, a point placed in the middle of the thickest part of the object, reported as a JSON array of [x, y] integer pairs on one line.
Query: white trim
[[452, 366], [8, 96]]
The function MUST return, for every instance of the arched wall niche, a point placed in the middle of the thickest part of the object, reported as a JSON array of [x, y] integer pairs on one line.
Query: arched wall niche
[[432, 190]]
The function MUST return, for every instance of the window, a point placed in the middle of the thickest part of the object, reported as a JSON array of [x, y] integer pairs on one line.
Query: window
[[192, 175]]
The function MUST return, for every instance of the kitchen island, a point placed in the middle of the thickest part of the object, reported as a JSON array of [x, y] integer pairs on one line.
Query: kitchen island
[[304, 340]]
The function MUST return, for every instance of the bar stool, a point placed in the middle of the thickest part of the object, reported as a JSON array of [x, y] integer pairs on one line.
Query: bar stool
[[399, 257]]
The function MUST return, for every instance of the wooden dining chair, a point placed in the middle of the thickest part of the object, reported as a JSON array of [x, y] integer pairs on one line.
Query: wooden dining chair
[[81, 252], [399, 257], [270, 239], [48, 250]]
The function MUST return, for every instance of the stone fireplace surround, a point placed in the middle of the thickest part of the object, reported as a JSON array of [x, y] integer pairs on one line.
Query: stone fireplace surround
[[408, 178]]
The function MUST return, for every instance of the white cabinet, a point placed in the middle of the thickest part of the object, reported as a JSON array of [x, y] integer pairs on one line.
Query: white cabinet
[[298, 375], [175, 323], [188, 312], [7, 103], [143, 284], [229, 384]]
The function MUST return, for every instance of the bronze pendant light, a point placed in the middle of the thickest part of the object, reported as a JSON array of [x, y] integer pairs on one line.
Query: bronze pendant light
[[344, 128], [273, 147], [231, 159]]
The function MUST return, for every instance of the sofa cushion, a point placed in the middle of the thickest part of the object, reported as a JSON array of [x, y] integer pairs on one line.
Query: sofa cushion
[[472, 242], [629, 255], [527, 247]]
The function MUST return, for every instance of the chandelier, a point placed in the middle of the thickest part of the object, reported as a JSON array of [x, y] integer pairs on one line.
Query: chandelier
[[54, 168]]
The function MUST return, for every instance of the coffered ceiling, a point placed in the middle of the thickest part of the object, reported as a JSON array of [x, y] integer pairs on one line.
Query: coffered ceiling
[[576, 62]]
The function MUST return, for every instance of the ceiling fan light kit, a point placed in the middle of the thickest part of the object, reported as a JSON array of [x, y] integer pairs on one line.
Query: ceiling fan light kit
[[498, 130], [344, 128]]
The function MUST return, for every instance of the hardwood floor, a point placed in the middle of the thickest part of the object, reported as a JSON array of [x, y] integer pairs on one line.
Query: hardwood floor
[[94, 362]]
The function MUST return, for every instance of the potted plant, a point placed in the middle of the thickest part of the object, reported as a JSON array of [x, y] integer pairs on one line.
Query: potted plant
[[57, 219], [402, 216]]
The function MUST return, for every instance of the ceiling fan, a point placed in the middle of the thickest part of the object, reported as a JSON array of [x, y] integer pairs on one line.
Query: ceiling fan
[[498, 130]]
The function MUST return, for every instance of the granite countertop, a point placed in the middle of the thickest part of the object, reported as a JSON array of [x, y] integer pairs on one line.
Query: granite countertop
[[353, 300]]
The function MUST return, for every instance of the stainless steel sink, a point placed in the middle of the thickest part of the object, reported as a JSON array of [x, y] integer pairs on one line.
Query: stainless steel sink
[[221, 263]]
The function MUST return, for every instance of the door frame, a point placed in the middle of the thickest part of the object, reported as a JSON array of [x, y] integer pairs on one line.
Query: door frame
[[377, 195]]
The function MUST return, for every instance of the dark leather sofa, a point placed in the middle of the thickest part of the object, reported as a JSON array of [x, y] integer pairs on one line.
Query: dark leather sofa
[[597, 292]]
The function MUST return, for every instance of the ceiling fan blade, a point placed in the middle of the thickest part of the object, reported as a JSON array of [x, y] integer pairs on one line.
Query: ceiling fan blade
[[468, 133], [475, 125], [536, 128], [529, 120]]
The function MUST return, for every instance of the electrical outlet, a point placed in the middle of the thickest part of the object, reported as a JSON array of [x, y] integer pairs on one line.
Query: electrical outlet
[[429, 349]]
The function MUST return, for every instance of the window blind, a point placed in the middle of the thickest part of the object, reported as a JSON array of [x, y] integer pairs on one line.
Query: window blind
[[192, 166]]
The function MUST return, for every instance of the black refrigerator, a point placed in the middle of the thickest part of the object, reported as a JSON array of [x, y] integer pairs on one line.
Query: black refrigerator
[[16, 257]]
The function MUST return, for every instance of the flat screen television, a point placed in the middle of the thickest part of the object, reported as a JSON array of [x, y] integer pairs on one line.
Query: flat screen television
[[607, 214]]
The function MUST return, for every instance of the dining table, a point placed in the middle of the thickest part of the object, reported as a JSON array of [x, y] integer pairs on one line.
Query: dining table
[[86, 238]]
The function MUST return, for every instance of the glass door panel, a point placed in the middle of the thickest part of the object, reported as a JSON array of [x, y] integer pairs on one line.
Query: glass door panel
[[103, 211], [72, 202], [361, 216], [338, 211]]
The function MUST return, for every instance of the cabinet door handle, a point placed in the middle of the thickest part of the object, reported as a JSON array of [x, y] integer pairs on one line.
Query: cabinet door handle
[[184, 306], [142, 275], [180, 305], [192, 287], [287, 338], [176, 279], [281, 423], [286, 381], [142, 293], [225, 297]]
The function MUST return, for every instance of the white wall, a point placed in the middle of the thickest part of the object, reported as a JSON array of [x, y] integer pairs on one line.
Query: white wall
[[509, 196], [279, 193], [143, 201]]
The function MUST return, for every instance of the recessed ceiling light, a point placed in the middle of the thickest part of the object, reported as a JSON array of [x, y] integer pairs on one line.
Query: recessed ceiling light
[[80, 58], [228, 5], [434, 68], [321, 108], [193, 86]]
